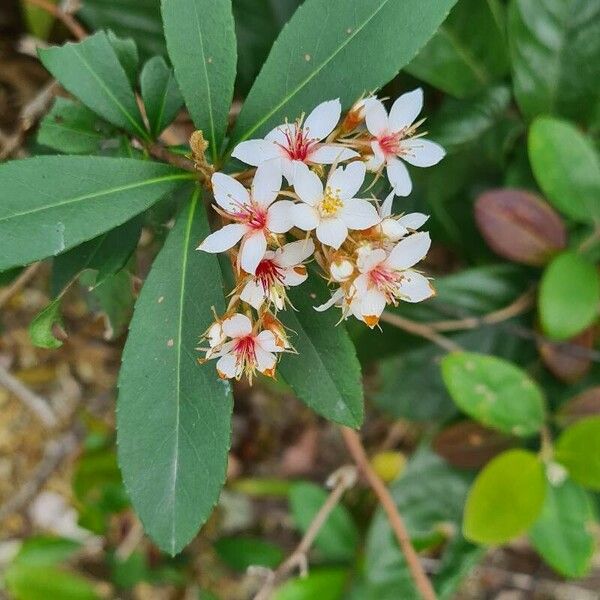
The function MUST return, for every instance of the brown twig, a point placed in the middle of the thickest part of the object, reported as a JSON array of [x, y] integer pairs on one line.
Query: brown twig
[[357, 450], [343, 479], [58, 13], [19, 283], [177, 160]]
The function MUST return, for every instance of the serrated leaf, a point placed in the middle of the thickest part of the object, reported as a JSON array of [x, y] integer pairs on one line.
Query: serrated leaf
[[336, 48], [468, 52], [566, 167], [506, 498], [173, 414], [569, 296], [201, 41], [325, 373], [161, 95], [92, 72], [72, 128], [563, 532], [554, 48], [42, 327], [52, 203], [495, 392], [338, 538], [578, 449]]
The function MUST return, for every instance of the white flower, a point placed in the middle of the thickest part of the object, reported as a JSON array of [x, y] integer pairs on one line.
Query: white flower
[[296, 143], [395, 139], [395, 228], [276, 271], [386, 278], [334, 210], [246, 351], [256, 215]]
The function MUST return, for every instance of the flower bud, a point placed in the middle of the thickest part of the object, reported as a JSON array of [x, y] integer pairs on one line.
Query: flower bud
[[355, 116], [392, 230], [341, 270]]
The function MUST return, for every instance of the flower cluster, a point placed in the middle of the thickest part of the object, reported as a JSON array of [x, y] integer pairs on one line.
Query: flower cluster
[[306, 184]]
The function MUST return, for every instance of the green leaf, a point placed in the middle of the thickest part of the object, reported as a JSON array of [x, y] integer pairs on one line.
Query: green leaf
[[495, 392], [554, 47], [91, 71], [201, 41], [173, 414], [334, 48], [338, 538], [566, 167], [26, 582], [324, 584], [53, 203], [563, 533], [569, 296], [506, 498], [325, 373], [127, 54], [41, 329], [161, 95], [430, 495], [239, 553], [578, 449], [73, 129], [44, 551], [468, 52], [136, 19]]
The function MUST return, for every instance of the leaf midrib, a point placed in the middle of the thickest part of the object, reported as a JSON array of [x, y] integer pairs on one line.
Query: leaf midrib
[[123, 188]]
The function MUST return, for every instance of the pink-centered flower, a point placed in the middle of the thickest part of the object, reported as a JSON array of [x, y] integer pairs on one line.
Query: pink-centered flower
[[277, 271], [291, 144], [395, 228], [332, 210], [255, 215], [246, 351], [395, 138]]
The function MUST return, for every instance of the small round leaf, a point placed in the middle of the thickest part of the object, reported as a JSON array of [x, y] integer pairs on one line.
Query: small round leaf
[[494, 392], [505, 499]]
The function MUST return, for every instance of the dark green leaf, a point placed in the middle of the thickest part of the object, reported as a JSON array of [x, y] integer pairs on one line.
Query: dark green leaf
[[128, 56], [506, 498], [42, 328], [161, 95], [554, 47], [239, 553], [91, 71], [569, 296], [324, 584], [201, 40], [325, 373], [53, 203], [495, 392], [563, 533], [578, 449], [173, 414], [334, 48], [468, 52], [338, 538], [566, 167], [74, 129]]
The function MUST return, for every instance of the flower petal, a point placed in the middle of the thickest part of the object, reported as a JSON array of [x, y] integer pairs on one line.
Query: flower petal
[[415, 287], [332, 232], [223, 239], [376, 117], [307, 185], [265, 361], [237, 326], [228, 367], [294, 253], [305, 217], [323, 119], [409, 251], [406, 109], [255, 152], [252, 251], [266, 183], [368, 260], [399, 178], [229, 192], [347, 180], [281, 134], [375, 162], [422, 153], [254, 294], [280, 216], [327, 154], [413, 220], [359, 214], [335, 299], [267, 341], [294, 276], [371, 306], [386, 208]]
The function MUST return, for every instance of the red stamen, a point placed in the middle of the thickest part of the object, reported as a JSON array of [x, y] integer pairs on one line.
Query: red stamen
[[268, 273], [298, 145]]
